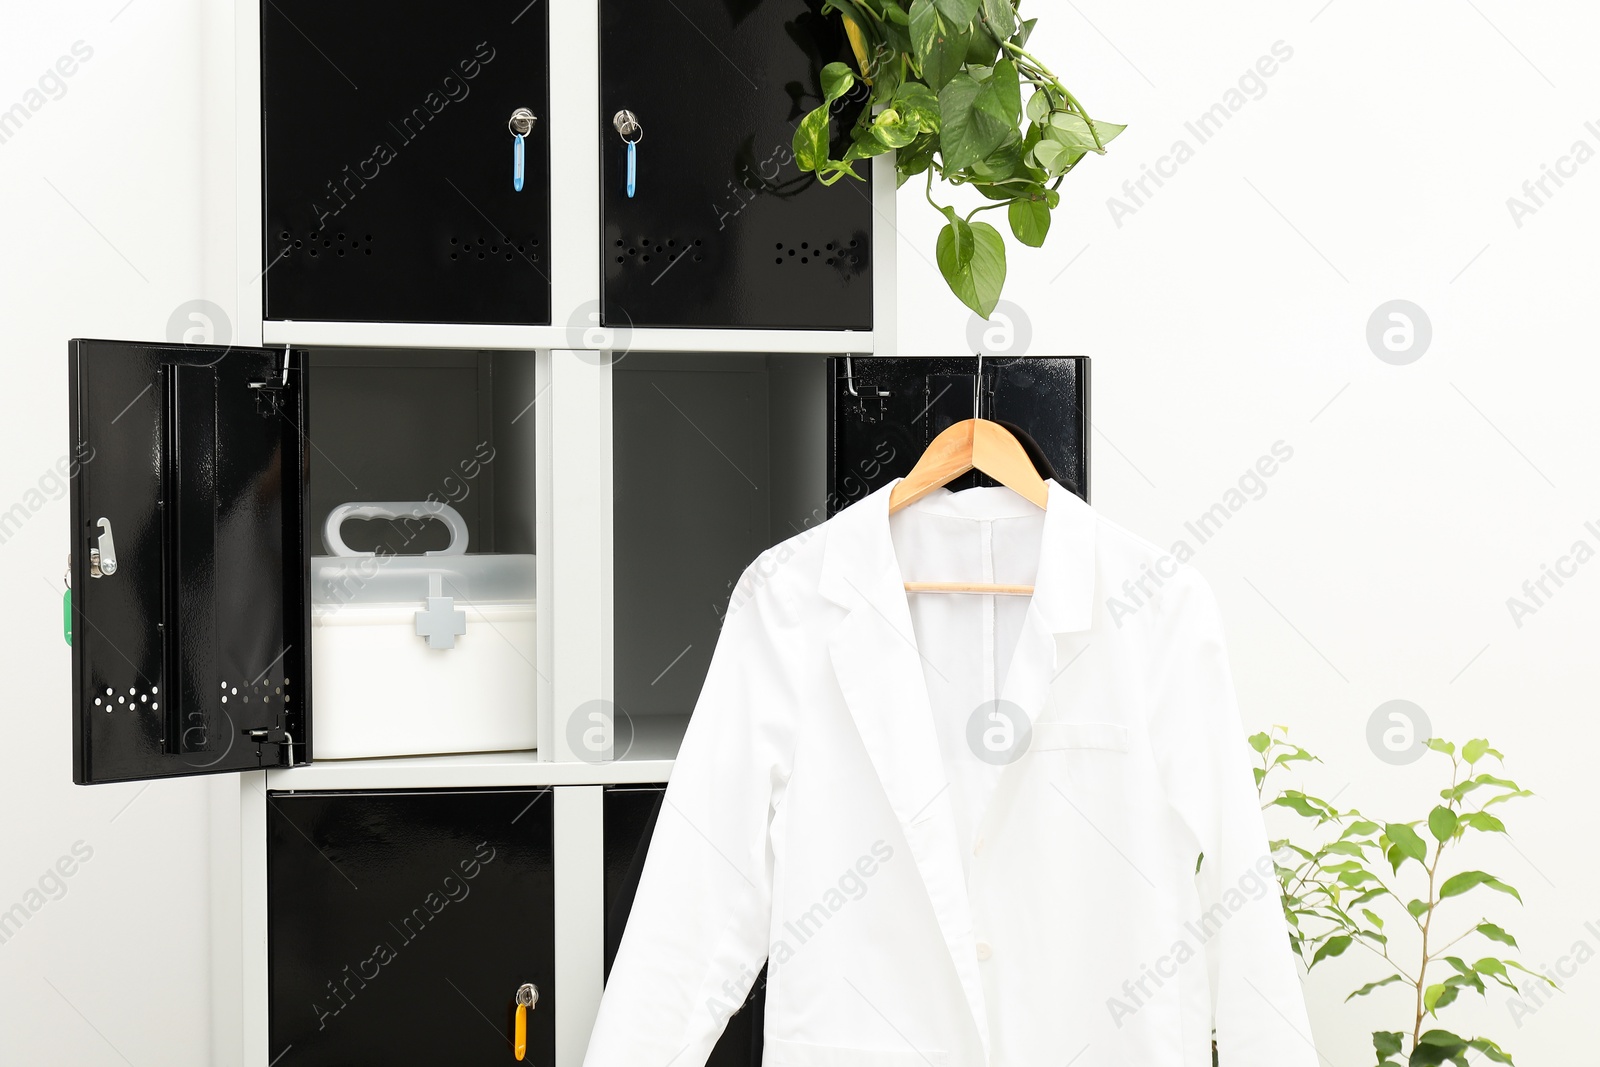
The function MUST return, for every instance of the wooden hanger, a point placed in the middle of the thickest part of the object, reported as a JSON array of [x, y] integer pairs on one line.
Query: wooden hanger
[[975, 444]]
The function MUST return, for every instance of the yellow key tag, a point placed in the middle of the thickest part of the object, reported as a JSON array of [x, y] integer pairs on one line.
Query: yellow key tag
[[527, 997]]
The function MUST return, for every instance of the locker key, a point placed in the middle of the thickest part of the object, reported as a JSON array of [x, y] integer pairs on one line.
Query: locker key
[[520, 125], [527, 998], [628, 128]]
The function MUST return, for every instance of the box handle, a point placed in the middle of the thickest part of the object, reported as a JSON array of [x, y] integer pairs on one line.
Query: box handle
[[334, 544]]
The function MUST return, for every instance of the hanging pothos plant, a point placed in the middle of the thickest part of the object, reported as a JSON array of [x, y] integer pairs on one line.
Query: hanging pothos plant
[[946, 81]]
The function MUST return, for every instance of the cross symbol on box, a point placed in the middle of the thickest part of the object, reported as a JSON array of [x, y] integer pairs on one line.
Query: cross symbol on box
[[441, 623]]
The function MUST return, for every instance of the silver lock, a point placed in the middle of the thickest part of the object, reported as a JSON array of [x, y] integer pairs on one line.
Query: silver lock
[[521, 122], [627, 126], [528, 995], [103, 553]]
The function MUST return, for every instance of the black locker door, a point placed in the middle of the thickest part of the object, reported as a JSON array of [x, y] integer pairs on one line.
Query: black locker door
[[630, 813], [401, 924], [387, 161], [189, 622], [884, 411], [723, 230]]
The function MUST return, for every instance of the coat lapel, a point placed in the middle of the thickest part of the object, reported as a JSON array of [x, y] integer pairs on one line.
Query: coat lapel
[[879, 670]]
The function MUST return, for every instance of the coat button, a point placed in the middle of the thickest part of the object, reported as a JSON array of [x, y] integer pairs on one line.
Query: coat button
[[984, 950]]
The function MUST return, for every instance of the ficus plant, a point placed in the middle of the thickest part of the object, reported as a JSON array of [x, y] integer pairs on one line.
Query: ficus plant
[[1352, 882], [945, 81]]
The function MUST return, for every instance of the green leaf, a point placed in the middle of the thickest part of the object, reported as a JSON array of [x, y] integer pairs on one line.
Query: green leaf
[[1455, 886], [939, 48], [1387, 1043], [919, 102], [1474, 750], [999, 18], [1073, 130], [1370, 986], [1334, 946], [1495, 933], [893, 129], [1039, 111], [978, 282], [1001, 95], [811, 140], [1440, 745], [955, 245], [1481, 820], [1024, 32], [1360, 829], [1408, 841], [982, 50], [915, 158], [1442, 823], [1030, 220], [968, 133], [1372, 918], [1417, 908], [957, 12]]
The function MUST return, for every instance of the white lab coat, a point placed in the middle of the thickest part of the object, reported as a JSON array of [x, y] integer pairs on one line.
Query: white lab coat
[[921, 905]]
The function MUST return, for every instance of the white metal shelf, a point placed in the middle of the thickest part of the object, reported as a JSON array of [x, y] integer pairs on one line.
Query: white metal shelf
[[644, 339]]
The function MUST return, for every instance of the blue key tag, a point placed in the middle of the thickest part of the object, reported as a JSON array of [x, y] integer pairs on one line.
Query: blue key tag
[[633, 167], [517, 154]]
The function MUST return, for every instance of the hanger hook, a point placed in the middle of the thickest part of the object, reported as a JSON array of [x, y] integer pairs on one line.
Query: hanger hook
[[977, 389]]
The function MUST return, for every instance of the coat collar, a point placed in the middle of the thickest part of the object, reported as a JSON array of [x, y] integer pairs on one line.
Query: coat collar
[[879, 669]]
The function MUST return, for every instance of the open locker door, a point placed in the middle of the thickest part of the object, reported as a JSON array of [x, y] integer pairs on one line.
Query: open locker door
[[189, 621]]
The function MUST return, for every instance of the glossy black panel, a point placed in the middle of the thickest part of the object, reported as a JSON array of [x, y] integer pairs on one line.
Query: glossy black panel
[[388, 162], [884, 412], [198, 642], [630, 819], [724, 230], [401, 924]]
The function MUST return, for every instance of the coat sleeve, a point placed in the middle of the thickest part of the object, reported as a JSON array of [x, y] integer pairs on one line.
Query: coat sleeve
[[1258, 1007], [697, 935]]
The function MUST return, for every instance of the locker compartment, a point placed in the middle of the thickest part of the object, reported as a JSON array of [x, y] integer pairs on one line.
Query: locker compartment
[[402, 924], [719, 227], [720, 457], [388, 162], [213, 607], [422, 598], [717, 457]]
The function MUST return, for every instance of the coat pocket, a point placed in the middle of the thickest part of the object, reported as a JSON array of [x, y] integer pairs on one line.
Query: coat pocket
[[780, 1053], [1054, 736]]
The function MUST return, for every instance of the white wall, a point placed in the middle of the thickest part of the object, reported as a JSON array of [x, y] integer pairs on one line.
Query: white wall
[[1226, 313], [101, 193], [1229, 312]]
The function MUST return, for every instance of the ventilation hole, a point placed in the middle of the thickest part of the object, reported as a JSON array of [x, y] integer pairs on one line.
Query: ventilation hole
[[791, 251], [621, 258], [494, 248], [155, 707], [619, 242], [313, 251], [286, 698], [284, 235], [234, 690], [224, 700], [326, 243], [508, 257], [483, 255], [646, 258], [452, 255], [830, 262], [144, 698], [355, 244], [671, 244], [122, 700], [286, 681], [366, 251], [697, 242], [267, 700], [154, 689], [779, 261], [697, 258], [369, 236], [481, 241], [524, 248], [780, 246], [98, 701], [341, 237], [852, 243], [633, 251], [803, 259], [452, 240], [341, 251], [804, 245], [297, 244], [245, 699], [830, 246], [658, 248], [108, 692]]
